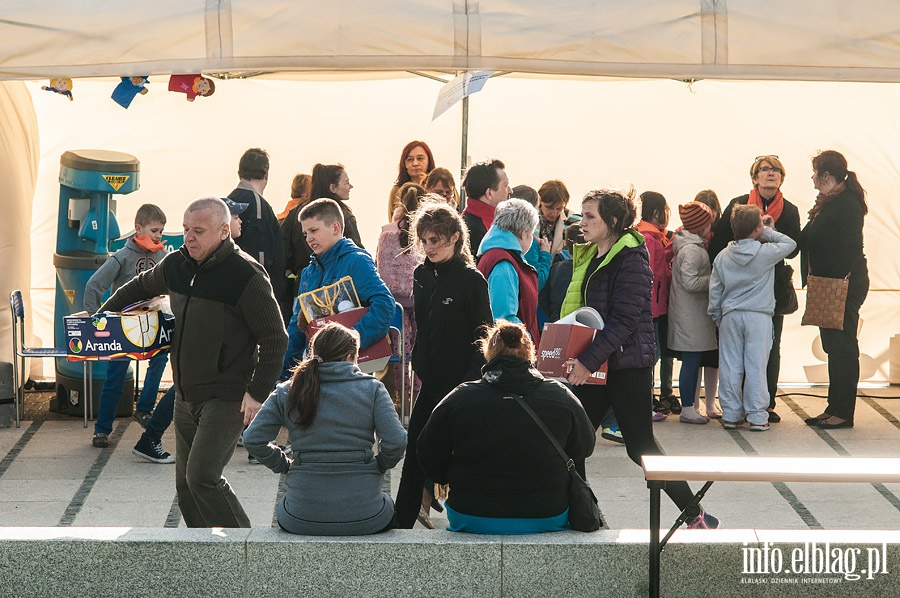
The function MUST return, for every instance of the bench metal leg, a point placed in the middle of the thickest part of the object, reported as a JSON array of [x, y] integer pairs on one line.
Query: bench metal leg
[[657, 545], [655, 548]]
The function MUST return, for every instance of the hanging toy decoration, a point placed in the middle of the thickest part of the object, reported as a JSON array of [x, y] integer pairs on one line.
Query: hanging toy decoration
[[61, 85], [192, 85], [128, 89]]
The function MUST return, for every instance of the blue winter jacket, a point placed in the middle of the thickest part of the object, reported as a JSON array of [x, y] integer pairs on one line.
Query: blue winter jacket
[[346, 259]]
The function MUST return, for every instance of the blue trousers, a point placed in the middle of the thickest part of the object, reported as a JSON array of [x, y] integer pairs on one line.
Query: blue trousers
[[745, 341], [115, 382], [687, 378], [162, 416], [296, 345]]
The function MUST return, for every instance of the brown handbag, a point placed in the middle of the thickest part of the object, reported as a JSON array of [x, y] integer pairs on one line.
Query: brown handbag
[[826, 300]]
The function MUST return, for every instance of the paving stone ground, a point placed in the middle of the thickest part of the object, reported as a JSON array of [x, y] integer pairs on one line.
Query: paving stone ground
[[50, 475]]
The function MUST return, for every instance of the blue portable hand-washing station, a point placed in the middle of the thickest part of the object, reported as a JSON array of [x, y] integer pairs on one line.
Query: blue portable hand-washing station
[[86, 224]]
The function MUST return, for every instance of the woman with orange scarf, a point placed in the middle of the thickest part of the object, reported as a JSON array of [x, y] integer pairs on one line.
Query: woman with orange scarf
[[767, 174]]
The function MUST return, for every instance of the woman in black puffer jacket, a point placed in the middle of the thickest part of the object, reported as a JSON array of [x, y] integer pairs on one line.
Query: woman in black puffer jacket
[[611, 273]]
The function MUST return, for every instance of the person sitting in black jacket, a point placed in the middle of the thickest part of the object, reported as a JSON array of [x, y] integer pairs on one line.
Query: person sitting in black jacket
[[505, 476]]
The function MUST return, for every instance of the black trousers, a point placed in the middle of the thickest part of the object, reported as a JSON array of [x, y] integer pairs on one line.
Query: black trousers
[[412, 478], [629, 394], [773, 367], [842, 348]]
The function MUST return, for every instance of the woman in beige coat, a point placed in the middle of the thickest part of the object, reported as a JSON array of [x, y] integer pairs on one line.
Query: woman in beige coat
[[691, 330]]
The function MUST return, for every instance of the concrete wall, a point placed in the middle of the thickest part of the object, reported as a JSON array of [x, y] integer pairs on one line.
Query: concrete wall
[[263, 563]]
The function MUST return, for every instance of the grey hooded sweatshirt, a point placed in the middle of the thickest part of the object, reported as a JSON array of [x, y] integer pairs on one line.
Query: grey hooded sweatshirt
[[743, 275], [333, 477]]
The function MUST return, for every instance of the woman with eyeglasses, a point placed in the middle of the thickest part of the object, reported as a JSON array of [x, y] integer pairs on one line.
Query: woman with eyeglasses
[[440, 182], [767, 175]]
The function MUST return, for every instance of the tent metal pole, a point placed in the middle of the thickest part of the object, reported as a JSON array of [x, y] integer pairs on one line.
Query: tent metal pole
[[463, 158]]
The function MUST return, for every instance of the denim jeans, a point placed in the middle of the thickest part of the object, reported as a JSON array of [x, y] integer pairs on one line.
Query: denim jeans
[[296, 344], [162, 416], [114, 383], [687, 378]]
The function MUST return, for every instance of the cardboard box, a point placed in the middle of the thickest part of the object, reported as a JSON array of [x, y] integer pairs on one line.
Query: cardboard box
[[561, 342], [373, 358], [108, 336]]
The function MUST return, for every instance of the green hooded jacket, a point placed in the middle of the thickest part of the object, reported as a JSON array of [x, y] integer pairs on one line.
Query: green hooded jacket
[[582, 254]]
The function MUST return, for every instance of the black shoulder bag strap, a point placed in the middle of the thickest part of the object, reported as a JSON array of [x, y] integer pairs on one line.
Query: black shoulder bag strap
[[570, 464]]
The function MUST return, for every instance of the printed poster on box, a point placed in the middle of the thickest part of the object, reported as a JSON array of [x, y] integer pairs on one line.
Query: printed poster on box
[[109, 336]]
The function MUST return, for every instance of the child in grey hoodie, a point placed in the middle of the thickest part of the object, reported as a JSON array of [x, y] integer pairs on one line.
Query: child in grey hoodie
[[742, 301]]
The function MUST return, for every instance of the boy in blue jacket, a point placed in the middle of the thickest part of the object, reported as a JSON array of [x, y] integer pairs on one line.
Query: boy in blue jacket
[[333, 258]]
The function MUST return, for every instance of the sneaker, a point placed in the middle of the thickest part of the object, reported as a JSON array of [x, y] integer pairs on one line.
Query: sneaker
[[141, 417], [658, 407], [759, 427], [613, 434], [100, 440], [703, 521], [693, 418], [658, 416], [774, 418], [252, 460], [731, 425], [151, 451]]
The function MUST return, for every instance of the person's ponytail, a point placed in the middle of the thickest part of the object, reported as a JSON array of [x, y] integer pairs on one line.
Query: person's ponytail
[[852, 183], [331, 343]]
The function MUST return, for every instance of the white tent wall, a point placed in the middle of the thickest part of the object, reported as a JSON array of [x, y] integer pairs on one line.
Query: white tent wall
[[656, 134], [19, 157]]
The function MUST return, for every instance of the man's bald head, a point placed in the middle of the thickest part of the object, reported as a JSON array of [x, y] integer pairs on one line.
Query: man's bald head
[[220, 211], [206, 225]]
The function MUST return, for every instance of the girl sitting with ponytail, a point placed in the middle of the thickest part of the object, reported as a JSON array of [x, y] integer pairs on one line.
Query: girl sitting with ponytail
[[332, 411]]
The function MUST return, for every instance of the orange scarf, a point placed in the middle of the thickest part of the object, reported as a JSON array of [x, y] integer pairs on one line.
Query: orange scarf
[[291, 204], [774, 209], [645, 227], [148, 244]]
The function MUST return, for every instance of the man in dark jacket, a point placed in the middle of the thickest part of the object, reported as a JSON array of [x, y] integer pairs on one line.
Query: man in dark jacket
[[486, 187], [260, 231], [226, 354]]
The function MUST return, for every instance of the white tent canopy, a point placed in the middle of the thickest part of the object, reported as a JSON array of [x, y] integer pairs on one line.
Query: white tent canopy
[[680, 39]]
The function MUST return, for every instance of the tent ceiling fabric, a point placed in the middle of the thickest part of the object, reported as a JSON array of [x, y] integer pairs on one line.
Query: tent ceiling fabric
[[680, 39]]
